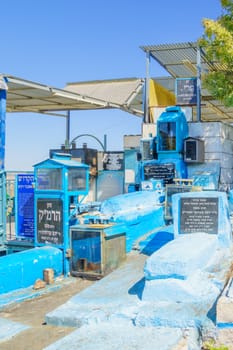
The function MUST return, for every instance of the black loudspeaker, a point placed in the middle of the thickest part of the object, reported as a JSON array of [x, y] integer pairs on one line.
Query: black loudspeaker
[[194, 150]]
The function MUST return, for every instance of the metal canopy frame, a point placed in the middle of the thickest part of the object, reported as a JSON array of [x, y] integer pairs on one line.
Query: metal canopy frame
[[180, 61], [27, 96]]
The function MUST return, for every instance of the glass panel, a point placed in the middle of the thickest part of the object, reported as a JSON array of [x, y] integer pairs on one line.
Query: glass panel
[[77, 179], [86, 248], [167, 139], [49, 179]]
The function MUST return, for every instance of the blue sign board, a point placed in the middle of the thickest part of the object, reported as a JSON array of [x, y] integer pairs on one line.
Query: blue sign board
[[25, 205]]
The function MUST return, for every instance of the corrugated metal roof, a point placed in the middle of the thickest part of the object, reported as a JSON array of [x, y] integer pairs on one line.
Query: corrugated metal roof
[[180, 61]]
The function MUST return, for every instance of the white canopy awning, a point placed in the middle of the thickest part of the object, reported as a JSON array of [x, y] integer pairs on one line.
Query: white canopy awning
[[27, 96], [126, 93]]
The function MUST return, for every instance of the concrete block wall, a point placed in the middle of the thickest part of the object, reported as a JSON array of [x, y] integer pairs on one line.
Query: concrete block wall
[[218, 140]]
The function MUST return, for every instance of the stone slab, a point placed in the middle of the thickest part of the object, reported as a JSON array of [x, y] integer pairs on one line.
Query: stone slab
[[122, 336]]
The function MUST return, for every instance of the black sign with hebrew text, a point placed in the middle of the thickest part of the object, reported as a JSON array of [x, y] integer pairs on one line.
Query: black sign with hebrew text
[[50, 220], [199, 214]]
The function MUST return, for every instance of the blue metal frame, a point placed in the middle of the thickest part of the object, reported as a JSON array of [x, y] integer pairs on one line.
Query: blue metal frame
[[173, 115], [3, 90], [63, 195]]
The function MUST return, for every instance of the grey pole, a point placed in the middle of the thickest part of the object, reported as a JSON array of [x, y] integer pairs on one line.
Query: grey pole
[[198, 84], [3, 94], [147, 88], [67, 142], [105, 142], [3, 98]]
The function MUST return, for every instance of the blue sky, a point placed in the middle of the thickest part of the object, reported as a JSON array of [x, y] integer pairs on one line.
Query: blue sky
[[58, 41]]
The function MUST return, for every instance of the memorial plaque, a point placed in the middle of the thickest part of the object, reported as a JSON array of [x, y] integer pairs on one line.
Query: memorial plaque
[[25, 205], [186, 91], [113, 161], [165, 172], [199, 214], [50, 220]]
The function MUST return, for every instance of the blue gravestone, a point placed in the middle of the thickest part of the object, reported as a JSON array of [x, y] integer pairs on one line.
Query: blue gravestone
[[186, 276]]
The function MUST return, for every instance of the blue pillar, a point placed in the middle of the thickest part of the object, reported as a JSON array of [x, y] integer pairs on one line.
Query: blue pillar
[[3, 90]]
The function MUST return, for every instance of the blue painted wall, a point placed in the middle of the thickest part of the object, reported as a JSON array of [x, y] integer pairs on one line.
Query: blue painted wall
[[140, 212], [21, 270]]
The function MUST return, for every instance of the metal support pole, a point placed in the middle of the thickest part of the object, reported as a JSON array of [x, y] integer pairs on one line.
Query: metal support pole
[[105, 143], [67, 142], [147, 88], [198, 84], [3, 93], [3, 90]]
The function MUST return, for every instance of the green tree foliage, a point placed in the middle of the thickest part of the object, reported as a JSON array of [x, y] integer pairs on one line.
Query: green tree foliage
[[218, 44]]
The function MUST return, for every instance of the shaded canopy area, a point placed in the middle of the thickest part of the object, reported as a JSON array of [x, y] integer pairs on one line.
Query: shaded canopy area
[[27, 96], [127, 94], [180, 61]]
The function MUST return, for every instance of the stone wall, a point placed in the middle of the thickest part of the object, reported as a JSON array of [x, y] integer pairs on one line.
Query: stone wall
[[218, 140]]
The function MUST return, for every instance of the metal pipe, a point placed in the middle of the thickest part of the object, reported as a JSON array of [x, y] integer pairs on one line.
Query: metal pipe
[[105, 143], [3, 96], [147, 88], [3, 90], [67, 142], [198, 84]]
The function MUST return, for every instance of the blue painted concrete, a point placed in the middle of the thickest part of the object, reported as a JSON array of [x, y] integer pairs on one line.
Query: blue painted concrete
[[141, 212], [177, 260], [223, 325], [105, 297], [156, 240], [111, 312], [9, 329], [205, 175], [21, 270], [20, 295], [179, 289], [189, 273], [119, 337]]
